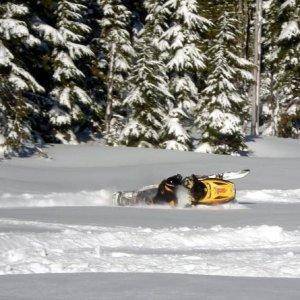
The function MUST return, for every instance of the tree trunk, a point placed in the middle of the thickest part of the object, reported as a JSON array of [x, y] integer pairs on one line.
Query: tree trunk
[[110, 88], [248, 13], [274, 106], [256, 73], [242, 21]]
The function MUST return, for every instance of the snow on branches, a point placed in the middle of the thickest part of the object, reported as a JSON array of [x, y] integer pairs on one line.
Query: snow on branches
[[115, 60], [222, 108], [148, 97], [15, 80], [68, 95]]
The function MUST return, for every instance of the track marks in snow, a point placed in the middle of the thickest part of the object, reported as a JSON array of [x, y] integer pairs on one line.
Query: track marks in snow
[[105, 198], [246, 251]]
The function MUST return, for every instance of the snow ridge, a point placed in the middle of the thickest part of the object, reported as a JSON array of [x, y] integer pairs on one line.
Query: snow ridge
[[244, 251], [105, 198]]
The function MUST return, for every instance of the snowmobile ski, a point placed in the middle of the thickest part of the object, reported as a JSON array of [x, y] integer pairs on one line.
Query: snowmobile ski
[[229, 175]]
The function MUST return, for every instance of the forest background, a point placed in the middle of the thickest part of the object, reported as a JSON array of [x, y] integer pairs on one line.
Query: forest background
[[173, 74]]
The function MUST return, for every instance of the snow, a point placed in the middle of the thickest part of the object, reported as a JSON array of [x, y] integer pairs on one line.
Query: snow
[[15, 10], [48, 33], [67, 68], [57, 216], [278, 196], [78, 51], [145, 286], [5, 56], [174, 127], [204, 148], [23, 80], [174, 145], [106, 198], [289, 30], [287, 3], [78, 248], [58, 116], [83, 198], [11, 28], [273, 147]]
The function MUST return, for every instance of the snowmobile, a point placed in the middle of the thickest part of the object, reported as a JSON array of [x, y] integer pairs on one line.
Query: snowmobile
[[200, 190]]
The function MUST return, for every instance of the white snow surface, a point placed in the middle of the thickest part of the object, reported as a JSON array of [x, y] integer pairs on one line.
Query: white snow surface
[[275, 196], [57, 216], [215, 251], [273, 147], [106, 198]]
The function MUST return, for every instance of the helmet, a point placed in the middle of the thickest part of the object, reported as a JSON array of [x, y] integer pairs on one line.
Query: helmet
[[174, 180]]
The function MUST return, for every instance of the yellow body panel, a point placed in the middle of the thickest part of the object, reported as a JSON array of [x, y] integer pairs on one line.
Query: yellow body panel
[[218, 191]]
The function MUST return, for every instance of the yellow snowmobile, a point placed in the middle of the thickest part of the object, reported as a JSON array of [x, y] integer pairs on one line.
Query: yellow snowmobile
[[201, 190]]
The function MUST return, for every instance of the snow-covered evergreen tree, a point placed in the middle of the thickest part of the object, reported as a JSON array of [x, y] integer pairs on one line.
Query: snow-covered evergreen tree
[[174, 136], [223, 104], [289, 54], [282, 62], [185, 58], [115, 59], [287, 88], [270, 105], [15, 80], [69, 94], [149, 97]]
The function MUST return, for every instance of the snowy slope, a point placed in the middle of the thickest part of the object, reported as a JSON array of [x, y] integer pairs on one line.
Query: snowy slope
[[56, 216], [95, 167], [268, 146]]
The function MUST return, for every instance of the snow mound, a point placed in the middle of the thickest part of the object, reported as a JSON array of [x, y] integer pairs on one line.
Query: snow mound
[[83, 198], [276, 196], [263, 251]]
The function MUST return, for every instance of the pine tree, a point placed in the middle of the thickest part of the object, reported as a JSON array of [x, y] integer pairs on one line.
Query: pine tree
[[186, 59], [173, 135], [149, 96], [289, 55], [270, 105], [15, 81], [116, 54], [287, 87], [70, 97], [223, 106], [282, 45]]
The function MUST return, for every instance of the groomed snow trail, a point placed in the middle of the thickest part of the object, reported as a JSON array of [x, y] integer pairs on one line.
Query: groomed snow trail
[[259, 251]]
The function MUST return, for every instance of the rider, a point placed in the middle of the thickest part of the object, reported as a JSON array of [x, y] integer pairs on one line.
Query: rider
[[166, 192]]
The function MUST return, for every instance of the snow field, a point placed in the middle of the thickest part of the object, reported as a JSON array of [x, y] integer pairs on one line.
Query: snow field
[[259, 251], [57, 216], [83, 198]]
